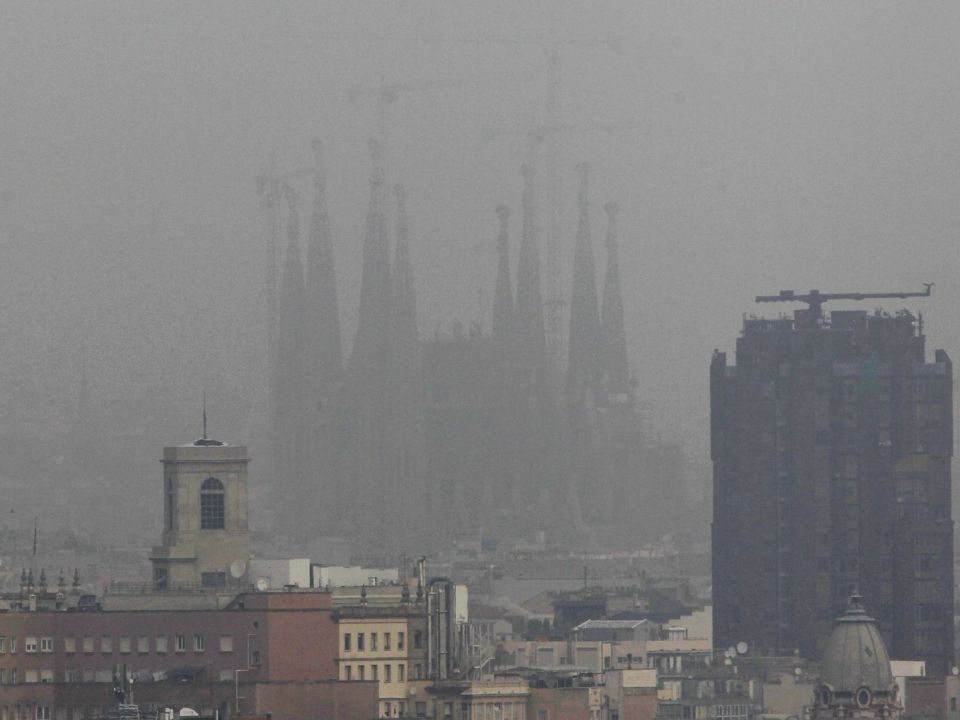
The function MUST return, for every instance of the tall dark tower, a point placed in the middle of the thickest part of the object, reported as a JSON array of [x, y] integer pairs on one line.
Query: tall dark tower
[[831, 439], [613, 344], [405, 485], [323, 360], [583, 366], [368, 382], [290, 411]]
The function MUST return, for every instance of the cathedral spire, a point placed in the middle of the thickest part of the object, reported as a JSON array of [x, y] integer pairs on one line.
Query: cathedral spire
[[616, 365], [290, 416], [369, 348], [323, 314], [582, 367], [531, 340], [503, 297]]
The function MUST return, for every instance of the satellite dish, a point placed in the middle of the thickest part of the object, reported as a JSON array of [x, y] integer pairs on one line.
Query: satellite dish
[[955, 670], [798, 671], [730, 652], [742, 648], [237, 569], [262, 584]]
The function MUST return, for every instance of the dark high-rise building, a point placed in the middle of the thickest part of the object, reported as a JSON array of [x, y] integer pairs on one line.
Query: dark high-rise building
[[831, 440]]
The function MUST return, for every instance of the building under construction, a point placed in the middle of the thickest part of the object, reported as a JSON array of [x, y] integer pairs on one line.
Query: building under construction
[[410, 443], [832, 439]]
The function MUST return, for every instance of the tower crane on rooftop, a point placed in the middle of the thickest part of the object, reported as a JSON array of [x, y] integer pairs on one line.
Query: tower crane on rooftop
[[815, 299]]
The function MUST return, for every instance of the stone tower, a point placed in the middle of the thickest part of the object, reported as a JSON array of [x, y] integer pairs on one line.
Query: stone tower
[[205, 540]]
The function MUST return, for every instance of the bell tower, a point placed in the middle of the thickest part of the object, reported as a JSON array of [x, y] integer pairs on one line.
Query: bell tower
[[205, 540]]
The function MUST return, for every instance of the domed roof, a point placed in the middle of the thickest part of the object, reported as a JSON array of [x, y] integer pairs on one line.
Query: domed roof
[[856, 655]]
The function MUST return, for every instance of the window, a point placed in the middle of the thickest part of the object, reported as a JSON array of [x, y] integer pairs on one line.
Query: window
[[346, 642], [46, 645], [88, 644], [226, 675], [31, 676], [375, 672], [386, 641], [71, 675], [213, 579], [30, 645], [3, 676], [386, 673], [349, 675], [360, 643], [255, 658], [198, 643], [161, 643], [3, 644], [373, 642], [401, 672], [181, 643], [226, 643], [13, 643], [46, 676], [13, 676], [211, 505], [418, 672], [106, 644], [124, 644], [43, 712], [143, 644], [360, 669], [418, 639], [399, 641], [89, 675]]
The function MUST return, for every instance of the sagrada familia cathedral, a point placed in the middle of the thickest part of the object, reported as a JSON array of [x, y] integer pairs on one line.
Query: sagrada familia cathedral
[[412, 442]]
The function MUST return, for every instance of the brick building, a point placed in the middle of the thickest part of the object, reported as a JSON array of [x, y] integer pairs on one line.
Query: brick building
[[266, 652], [831, 440]]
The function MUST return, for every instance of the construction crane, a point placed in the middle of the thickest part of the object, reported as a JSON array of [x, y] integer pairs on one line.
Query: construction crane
[[549, 133], [386, 94], [815, 299]]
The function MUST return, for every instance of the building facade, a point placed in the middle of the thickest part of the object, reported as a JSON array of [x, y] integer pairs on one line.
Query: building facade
[[831, 439], [205, 540]]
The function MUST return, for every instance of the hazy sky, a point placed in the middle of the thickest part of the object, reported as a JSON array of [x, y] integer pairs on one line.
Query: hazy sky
[[778, 145]]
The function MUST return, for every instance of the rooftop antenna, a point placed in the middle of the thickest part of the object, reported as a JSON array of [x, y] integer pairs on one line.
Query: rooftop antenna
[[204, 413]]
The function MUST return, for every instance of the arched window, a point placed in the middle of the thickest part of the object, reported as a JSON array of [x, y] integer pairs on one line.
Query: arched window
[[211, 504]]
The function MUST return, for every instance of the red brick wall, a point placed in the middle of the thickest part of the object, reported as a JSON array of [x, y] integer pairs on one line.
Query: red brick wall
[[925, 699], [638, 704], [317, 700], [560, 703]]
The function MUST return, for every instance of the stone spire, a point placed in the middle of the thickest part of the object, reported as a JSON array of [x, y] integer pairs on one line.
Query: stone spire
[[531, 345], [323, 314], [290, 416], [616, 365], [367, 370], [369, 347], [503, 297], [584, 340], [406, 391]]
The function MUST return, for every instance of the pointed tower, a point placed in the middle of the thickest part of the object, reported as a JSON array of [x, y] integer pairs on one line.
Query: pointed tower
[[583, 371], [323, 359], [289, 422], [367, 370], [503, 296], [406, 393], [323, 314], [529, 330], [616, 365]]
